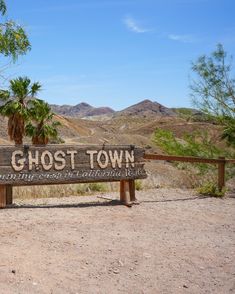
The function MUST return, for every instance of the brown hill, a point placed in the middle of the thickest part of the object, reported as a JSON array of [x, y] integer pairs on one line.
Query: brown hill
[[147, 108], [100, 111], [80, 110]]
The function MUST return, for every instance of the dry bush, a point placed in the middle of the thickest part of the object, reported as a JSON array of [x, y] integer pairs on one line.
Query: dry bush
[[48, 191]]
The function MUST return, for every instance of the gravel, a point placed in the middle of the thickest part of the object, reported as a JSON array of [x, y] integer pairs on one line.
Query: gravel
[[173, 242]]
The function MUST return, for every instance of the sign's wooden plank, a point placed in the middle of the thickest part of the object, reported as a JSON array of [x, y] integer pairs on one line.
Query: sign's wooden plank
[[76, 166], [69, 147], [54, 164], [73, 154], [81, 175]]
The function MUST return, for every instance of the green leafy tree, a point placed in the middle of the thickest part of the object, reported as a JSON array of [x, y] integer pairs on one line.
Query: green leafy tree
[[42, 127], [213, 91], [15, 106], [13, 39], [197, 143]]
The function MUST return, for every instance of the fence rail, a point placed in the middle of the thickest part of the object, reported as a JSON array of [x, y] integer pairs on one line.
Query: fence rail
[[221, 162]]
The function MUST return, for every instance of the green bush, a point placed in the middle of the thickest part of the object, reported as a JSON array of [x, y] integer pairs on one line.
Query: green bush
[[138, 185], [211, 189]]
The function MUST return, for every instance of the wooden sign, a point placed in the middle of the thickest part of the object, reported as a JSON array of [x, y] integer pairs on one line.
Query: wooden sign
[[58, 164]]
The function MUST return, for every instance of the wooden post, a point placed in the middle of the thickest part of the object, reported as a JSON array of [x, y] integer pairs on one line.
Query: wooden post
[[132, 192], [125, 195], [221, 173], [3, 196], [122, 191], [127, 192], [9, 195]]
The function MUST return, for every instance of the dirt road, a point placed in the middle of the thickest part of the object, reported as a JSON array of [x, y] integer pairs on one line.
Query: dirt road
[[173, 242]]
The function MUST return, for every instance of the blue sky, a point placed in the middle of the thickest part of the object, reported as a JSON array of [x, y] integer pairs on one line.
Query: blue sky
[[118, 52]]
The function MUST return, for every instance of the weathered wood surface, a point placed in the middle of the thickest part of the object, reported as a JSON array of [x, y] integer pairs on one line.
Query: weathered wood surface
[[9, 195], [183, 158], [79, 154], [127, 192], [3, 196], [221, 173], [52, 164]]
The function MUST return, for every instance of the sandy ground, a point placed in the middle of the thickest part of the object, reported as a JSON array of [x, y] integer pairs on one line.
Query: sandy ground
[[173, 242]]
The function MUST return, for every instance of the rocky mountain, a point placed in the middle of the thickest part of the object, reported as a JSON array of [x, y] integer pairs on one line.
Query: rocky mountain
[[81, 110], [147, 108]]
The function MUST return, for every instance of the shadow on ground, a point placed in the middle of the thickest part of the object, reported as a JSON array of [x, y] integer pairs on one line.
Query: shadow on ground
[[111, 202]]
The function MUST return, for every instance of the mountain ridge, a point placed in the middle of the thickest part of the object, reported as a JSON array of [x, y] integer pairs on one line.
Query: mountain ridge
[[145, 107], [80, 110]]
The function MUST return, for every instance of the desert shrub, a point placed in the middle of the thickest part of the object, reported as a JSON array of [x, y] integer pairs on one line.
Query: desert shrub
[[97, 187], [230, 171], [138, 185], [210, 189], [185, 113], [194, 115], [81, 189]]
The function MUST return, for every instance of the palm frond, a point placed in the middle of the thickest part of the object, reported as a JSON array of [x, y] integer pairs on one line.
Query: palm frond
[[4, 95], [35, 88], [3, 7]]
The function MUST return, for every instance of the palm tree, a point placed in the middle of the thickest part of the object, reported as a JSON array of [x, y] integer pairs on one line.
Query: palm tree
[[15, 106], [42, 128]]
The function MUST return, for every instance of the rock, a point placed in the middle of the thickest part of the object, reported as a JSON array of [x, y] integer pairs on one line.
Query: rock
[[116, 271], [147, 255]]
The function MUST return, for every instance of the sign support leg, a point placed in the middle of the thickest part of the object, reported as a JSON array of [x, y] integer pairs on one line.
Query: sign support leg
[[126, 192], [9, 195], [132, 192], [3, 196]]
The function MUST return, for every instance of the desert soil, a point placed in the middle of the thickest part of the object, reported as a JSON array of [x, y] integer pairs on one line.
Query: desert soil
[[173, 242]]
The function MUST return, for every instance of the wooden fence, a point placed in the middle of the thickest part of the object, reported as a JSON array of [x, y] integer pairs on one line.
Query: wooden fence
[[221, 162]]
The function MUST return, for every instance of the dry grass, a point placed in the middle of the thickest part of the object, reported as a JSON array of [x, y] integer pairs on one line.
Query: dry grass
[[50, 191]]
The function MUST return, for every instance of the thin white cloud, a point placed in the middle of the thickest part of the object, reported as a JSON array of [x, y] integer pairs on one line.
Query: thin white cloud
[[182, 38], [133, 26]]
